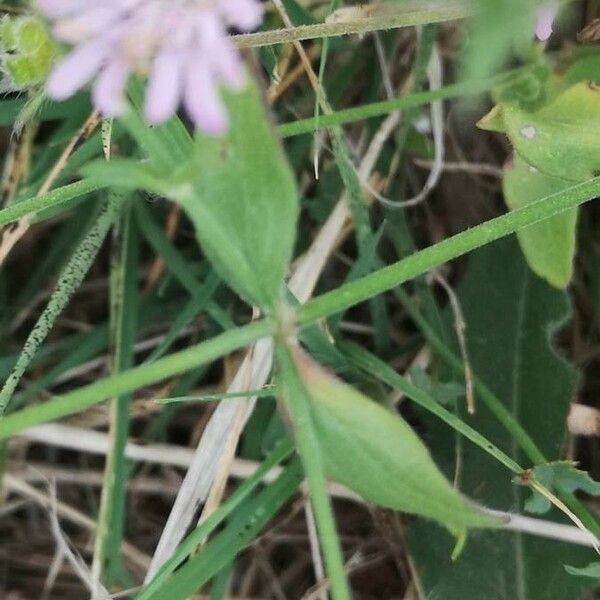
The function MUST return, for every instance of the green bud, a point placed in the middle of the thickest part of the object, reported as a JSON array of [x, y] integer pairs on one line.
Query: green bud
[[27, 52], [31, 35]]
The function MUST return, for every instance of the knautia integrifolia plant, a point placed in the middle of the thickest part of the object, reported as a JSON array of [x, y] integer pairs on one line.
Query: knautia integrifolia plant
[[237, 268]]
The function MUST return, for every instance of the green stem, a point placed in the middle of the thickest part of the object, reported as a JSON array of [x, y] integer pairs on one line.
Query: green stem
[[389, 277], [133, 379], [377, 109], [123, 318], [407, 15], [298, 403], [493, 403], [27, 208]]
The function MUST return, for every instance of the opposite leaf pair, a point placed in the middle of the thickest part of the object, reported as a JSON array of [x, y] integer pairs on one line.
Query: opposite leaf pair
[[241, 196]]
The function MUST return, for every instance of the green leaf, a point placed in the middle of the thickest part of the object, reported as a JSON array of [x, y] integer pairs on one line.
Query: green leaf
[[124, 314], [239, 191], [592, 570], [128, 174], [549, 246], [260, 393], [374, 452], [244, 204], [510, 315], [563, 475], [559, 139], [32, 206]]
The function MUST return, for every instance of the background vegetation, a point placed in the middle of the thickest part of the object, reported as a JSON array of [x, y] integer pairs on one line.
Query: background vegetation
[[349, 349]]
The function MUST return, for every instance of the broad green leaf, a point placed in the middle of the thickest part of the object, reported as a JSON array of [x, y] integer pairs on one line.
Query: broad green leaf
[[244, 204], [374, 452], [510, 316], [561, 138], [549, 246], [561, 474], [592, 570]]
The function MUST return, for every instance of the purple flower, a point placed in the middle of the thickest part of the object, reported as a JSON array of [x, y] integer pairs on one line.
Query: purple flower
[[182, 45], [545, 16]]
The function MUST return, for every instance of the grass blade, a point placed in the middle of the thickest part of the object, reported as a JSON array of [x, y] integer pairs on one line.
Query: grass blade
[[135, 378], [68, 283], [124, 305], [393, 275], [54, 198]]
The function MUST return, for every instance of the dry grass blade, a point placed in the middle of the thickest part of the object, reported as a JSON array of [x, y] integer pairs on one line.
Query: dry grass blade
[[93, 442], [70, 514], [16, 231]]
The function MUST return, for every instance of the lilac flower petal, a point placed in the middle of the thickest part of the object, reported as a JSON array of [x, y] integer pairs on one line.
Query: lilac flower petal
[[184, 45], [108, 91], [60, 8], [164, 87], [202, 101], [229, 66], [213, 42], [77, 69], [545, 20], [243, 14], [85, 25], [209, 32]]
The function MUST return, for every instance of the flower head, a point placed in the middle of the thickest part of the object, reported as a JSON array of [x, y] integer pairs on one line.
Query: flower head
[[545, 16], [182, 45]]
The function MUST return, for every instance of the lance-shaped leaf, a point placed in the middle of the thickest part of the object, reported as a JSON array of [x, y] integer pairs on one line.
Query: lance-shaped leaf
[[244, 203], [239, 192], [549, 246], [374, 452]]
